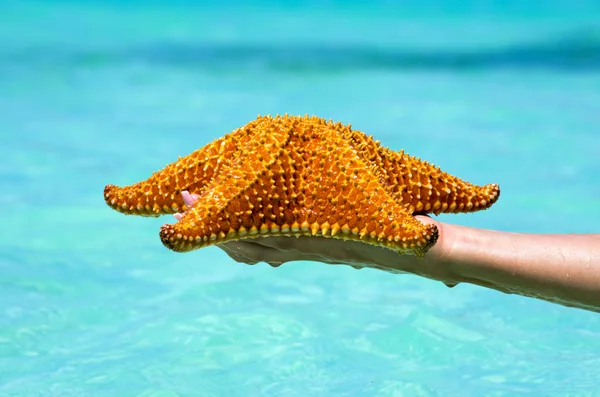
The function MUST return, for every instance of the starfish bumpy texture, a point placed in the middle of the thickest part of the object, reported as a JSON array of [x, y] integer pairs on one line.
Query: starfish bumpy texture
[[299, 176]]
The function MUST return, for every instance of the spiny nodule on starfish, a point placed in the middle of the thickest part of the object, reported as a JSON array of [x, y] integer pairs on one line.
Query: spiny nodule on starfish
[[295, 176]]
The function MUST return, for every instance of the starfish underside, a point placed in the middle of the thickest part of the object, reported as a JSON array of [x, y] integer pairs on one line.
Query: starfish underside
[[296, 176]]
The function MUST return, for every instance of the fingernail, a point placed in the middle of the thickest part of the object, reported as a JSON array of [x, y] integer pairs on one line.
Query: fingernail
[[187, 198]]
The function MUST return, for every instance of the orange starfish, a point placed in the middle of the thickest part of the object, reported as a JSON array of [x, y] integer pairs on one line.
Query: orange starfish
[[294, 176]]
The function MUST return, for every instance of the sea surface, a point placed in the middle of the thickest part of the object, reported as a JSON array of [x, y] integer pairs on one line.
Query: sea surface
[[94, 92]]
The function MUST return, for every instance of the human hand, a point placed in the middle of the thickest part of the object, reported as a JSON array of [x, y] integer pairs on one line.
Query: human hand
[[278, 250]]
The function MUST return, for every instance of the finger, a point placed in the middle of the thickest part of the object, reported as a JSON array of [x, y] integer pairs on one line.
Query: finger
[[250, 253], [261, 253], [302, 245], [319, 249], [237, 255], [242, 258], [279, 242], [187, 198]]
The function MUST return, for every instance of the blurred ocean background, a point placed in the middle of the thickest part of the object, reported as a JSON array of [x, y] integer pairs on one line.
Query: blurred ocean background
[[97, 92]]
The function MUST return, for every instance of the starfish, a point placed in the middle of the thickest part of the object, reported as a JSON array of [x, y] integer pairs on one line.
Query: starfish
[[299, 176]]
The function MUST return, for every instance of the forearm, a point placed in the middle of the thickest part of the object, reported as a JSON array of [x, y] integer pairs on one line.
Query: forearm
[[563, 269]]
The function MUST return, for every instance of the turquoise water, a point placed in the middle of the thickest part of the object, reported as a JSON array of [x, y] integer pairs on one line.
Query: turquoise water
[[92, 304]]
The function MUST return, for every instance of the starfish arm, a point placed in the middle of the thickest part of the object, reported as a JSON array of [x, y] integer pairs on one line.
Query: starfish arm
[[161, 193], [348, 195], [226, 207], [420, 186], [424, 189]]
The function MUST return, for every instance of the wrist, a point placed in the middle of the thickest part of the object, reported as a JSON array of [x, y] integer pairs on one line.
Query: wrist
[[470, 255], [443, 261], [439, 263]]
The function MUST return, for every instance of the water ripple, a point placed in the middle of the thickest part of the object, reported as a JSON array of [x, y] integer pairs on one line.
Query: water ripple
[[578, 51]]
